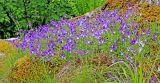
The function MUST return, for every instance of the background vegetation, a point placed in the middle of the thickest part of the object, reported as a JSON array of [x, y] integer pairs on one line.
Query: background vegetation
[[27, 14]]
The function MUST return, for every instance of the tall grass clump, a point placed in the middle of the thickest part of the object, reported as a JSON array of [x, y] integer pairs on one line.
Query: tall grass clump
[[8, 52]]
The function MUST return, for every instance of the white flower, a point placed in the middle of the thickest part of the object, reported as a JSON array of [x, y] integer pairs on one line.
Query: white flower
[[111, 50], [140, 49], [141, 43]]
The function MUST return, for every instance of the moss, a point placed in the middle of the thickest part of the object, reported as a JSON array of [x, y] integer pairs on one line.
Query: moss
[[26, 69], [145, 12], [149, 12]]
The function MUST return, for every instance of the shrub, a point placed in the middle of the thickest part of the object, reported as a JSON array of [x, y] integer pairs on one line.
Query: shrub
[[22, 14]]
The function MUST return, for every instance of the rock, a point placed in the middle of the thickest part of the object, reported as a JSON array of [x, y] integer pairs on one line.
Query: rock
[[10, 39]]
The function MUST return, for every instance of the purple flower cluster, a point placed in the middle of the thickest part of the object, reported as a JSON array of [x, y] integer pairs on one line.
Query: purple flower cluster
[[62, 36]]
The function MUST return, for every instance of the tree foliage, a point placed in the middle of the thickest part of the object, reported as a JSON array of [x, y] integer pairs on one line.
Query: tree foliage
[[28, 14]]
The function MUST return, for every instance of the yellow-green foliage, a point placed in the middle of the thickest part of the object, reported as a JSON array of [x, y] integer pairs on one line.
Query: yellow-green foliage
[[149, 12], [26, 69], [119, 3], [7, 48]]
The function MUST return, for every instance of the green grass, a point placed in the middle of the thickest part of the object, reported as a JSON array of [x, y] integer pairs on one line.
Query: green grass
[[8, 63], [83, 6]]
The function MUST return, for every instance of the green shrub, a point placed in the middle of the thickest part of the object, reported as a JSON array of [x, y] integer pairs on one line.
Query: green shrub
[[26, 14]]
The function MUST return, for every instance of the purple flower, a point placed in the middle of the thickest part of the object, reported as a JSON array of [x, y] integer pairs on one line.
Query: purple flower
[[130, 4], [131, 62], [155, 35], [97, 34], [81, 52], [32, 51], [49, 51], [117, 40], [21, 32], [127, 56], [128, 80], [63, 56], [149, 31], [71, 40], [153, 79], [134, 30], [54, 23], [123, 37], [132, 50], [24, 46], [114, 60], [49, 58], [89, 42], [18, 45], [137, 35], [101, 40], [65, 33], [37, 53], [143, 31], [68, 47], [121, 30], [133, 41], [43, 53], [105, 26], [137, 64], [51, 43], [78, 36], [128, 33], [112, 47]]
